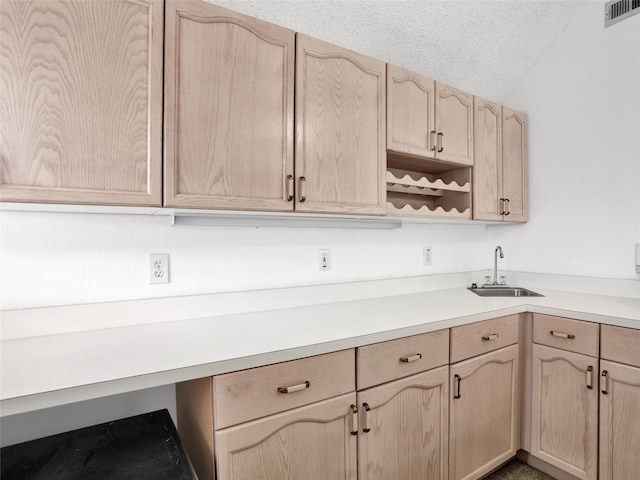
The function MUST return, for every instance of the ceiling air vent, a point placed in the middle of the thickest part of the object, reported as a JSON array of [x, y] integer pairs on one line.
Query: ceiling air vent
[[618, 10]]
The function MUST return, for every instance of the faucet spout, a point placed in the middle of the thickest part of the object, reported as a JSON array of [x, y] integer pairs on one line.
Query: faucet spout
[[495, 263]]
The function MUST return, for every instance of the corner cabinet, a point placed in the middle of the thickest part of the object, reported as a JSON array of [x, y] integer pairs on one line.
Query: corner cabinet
[[499, 185], [340, 130], [81, 102], [229, 82]]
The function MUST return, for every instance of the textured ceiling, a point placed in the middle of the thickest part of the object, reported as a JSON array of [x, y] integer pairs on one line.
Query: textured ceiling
[[482, 46]]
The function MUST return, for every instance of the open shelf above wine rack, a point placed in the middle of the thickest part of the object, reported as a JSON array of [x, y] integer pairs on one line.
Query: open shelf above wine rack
[[419, 188]]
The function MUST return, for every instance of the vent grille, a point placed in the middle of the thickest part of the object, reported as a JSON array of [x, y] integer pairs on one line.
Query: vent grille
[[618, 10]]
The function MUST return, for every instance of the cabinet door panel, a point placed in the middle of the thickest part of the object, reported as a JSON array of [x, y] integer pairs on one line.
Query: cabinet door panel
[[619, 413], [408, 428], [454, 119], [564, 417], [487, 168], [410, 112], [514, 154], [484, 420], [311, 443], [340, 128], [228, 109], [81, 102]]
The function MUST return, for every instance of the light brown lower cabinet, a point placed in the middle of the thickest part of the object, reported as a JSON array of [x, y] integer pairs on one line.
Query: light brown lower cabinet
[[564, 416], [403, 428], [312, 443], [619, 417], [484, 423]]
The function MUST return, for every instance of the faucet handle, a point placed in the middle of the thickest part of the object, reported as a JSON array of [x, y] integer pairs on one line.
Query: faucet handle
[[503, 280], [487, 279]]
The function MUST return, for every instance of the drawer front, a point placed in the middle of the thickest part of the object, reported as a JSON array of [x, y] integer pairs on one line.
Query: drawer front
[[249, 394], [620, 344], [572, 335], [386, 361], [481, 337]]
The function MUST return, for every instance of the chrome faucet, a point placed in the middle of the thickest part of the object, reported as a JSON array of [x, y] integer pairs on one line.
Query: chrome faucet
[[495, 263]]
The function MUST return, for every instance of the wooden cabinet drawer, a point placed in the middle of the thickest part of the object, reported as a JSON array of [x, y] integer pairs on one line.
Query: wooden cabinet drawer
[[620, 344], [386, 361], [481, 337], [572, 335], [249, 394]]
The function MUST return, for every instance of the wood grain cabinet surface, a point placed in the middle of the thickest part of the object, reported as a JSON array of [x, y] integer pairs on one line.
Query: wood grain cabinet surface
[[484, 413], [340, 130], [404, 428], [564, 417], [499, 178], [81, 102], [619, 403], [228, 110], [428, 119]]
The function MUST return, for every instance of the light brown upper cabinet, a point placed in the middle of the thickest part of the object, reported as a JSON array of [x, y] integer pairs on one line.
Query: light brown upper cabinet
[[81, 102], [228, 110], [428, 118], [499, 189], [340, 130]]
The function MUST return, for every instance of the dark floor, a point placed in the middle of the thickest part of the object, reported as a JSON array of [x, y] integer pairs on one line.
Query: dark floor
[[516, 470]]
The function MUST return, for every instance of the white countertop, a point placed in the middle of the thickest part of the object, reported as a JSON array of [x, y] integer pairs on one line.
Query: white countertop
[[52, 368]]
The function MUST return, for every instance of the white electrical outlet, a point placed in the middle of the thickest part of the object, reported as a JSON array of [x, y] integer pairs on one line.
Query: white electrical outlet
[[427, 256], [159, 268], [324, 259]]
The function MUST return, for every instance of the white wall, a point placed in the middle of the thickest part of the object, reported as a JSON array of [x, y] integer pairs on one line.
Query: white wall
[[583, 103]]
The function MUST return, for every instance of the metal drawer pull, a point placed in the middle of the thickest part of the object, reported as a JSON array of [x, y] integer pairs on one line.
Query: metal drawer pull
[[458, 380], [562, 334], [432, 147], [295, 388], [289, 188], [365, 418], [440, 147], [354, 420], [605, 382], [502, 209], [412, 358], [508, 206], [302, 183], [493, 336], [589, 377]]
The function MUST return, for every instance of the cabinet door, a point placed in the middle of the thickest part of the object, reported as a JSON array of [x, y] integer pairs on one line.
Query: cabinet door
[[228, 109], [487, 168], [410, 112], [619, 413], [514, 153], [311, 443], [454, 121], [407, 428], [340, 130], [81, 102], [484, 413], [564, 414]]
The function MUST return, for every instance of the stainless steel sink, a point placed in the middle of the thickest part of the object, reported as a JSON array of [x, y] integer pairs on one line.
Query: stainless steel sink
[[504, 292]]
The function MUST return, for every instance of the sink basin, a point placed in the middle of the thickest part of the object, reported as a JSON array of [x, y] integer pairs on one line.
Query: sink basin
[[504, 292]]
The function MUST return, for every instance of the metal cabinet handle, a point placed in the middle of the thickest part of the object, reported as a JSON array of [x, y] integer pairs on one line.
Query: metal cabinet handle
[[354, 420], [289, 188], [492, 336], [440, 147], [605, 382], [432, 141], [562, 334], [365, 418], [411, 358], [295, 388], [502, 210], [589, 377], [458, 380], [508, 202], [302, 184]]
